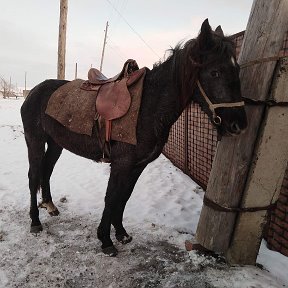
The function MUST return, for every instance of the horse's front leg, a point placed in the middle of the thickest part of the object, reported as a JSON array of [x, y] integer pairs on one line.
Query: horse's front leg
[[122, 157], [117, 216], [111, 201], [103, 232]]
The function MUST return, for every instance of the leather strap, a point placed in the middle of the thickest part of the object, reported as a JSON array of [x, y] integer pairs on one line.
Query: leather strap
[[215, 206], [108, 130]]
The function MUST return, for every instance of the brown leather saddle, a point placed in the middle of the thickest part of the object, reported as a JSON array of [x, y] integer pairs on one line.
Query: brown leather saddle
[[113, 96], [95, 77]]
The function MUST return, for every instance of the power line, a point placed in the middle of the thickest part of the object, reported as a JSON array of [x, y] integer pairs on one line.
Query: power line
[[133, 29], [116, 49]]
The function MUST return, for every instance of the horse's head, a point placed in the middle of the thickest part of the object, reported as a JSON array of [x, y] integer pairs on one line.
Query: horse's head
[[218, 85]]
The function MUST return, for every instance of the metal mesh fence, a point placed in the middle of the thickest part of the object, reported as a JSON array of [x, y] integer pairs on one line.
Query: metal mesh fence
[[201, 144], [175, 147]]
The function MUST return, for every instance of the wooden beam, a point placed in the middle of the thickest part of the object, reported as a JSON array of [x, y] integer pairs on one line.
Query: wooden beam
[[265, 176], [264, 36], [62, 39]]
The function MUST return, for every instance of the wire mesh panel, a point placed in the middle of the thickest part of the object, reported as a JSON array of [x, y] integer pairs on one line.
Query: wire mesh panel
[[175, 147], [202, 141]]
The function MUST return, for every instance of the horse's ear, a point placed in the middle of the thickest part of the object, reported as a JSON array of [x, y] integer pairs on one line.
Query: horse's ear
[[219, 31], [205, 36]]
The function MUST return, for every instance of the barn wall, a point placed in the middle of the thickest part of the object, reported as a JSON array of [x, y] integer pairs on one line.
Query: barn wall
[[191, 147]]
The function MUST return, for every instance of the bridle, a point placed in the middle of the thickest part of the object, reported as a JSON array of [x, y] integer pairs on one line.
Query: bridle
[[211, 106], [216, 119]]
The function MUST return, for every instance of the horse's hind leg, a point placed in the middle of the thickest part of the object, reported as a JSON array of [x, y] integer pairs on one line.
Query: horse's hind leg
[[36, 150], [51, 156]]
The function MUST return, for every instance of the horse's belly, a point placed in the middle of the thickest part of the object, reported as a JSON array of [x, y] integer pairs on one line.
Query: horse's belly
[[80, 144]]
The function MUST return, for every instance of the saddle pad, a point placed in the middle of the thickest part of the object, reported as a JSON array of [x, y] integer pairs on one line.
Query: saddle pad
[[73, 107]]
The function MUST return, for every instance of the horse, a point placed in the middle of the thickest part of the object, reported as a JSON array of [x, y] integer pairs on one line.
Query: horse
[[203, 69]]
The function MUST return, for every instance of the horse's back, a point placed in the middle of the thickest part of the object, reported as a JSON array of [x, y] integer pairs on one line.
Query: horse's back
[[38, 97]]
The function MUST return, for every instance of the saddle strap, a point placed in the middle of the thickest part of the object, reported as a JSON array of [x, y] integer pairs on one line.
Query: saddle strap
[[108, 130]]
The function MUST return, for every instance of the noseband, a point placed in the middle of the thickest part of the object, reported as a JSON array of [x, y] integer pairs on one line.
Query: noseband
[[217, 119]]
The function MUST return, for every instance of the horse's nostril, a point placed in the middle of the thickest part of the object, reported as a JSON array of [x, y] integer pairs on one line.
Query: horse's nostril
[[235, 128]]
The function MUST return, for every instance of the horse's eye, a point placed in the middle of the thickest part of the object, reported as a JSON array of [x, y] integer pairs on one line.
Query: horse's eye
[[215, 74]]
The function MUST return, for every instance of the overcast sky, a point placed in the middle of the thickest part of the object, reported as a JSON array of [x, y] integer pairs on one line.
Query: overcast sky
[[29, 33]]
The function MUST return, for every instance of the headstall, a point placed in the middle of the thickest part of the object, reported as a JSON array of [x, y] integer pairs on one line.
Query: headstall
[[217, 119]]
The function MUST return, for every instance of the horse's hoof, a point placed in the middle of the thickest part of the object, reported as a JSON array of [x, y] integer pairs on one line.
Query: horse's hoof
[[50, 207], [54, 213], [110, 251], [124, 238], [36, 229]]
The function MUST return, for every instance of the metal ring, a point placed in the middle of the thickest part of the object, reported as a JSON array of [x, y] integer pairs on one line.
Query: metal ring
[[217, 120]]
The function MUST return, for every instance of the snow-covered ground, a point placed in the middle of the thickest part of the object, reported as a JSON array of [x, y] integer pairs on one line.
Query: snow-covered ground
[[162, 213]]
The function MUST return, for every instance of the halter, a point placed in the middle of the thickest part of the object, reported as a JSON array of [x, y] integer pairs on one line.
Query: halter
[[217, 119]]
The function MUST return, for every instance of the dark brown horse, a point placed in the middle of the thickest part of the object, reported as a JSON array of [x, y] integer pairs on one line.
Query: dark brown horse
[[203, 70]]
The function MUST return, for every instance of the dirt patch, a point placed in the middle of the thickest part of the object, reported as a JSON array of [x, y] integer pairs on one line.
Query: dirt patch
[[67, 254]]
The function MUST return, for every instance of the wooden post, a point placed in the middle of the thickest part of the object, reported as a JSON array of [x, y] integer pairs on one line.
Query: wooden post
[[233, 156], [266, 173], [62, 39]]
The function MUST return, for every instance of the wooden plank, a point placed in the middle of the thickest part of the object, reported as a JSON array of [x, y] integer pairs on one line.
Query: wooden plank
[[266, 173], [227, 179], [264, 37], [280, 81], [263, 185]]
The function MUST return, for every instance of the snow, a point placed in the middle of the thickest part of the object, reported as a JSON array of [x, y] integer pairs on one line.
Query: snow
[[162, 213]]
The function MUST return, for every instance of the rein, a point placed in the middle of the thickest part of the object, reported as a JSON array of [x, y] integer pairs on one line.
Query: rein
[[217, 119]]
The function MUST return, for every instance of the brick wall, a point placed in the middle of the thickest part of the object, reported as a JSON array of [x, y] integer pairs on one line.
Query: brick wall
[[277, 226]]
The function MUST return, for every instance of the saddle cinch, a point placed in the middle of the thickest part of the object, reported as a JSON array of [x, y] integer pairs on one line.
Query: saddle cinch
[[113, 98]]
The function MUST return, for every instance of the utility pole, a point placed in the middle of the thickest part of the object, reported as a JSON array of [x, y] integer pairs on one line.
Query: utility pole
[[104, 44], [76, 70], [62, 39]]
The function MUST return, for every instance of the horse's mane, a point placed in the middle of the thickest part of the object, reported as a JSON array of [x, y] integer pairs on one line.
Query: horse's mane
[[188, 58]]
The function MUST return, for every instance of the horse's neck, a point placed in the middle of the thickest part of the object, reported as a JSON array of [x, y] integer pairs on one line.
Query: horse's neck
[[162, 93]]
